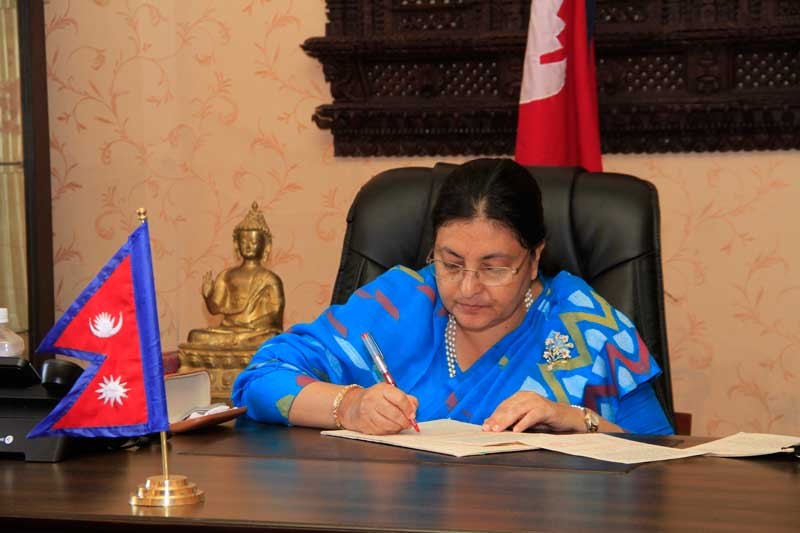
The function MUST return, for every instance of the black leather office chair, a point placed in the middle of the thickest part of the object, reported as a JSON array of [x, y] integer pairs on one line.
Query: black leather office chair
[[603, 227]]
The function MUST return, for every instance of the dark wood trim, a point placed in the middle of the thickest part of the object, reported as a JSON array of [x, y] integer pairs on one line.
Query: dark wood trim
[[36, 149], [439, 78]]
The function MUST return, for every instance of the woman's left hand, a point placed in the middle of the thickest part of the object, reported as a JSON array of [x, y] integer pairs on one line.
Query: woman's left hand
[[526, 409]]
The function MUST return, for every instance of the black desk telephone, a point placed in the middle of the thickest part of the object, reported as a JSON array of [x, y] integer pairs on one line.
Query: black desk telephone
[[26, 397]]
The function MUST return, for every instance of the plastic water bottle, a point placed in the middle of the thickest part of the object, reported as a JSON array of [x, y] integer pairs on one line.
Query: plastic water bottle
[[11, 344]]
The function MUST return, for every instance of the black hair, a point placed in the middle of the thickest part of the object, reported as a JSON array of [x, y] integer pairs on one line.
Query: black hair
[[497, 189]]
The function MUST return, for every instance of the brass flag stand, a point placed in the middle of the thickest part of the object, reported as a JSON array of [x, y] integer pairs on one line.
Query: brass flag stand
[[165, 490]]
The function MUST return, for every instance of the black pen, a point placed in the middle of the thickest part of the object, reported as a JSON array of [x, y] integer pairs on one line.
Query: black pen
[[380, 362]]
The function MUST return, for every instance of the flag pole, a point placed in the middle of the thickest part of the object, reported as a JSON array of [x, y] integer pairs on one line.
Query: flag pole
[[163, 491], [164, 465], [141, 214]]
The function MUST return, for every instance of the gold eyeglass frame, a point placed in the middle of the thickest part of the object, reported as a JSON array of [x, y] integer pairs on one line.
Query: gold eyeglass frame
[[462, 271]]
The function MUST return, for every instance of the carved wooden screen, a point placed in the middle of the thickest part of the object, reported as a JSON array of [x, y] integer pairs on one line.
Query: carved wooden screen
[[442, 77]]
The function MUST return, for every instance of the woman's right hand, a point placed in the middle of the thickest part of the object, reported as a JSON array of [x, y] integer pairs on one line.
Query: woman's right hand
[[382, 409]]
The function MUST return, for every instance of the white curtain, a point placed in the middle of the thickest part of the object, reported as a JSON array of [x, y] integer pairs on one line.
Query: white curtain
[[13, 271]]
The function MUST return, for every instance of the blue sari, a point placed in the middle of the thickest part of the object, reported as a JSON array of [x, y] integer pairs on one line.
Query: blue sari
[[572, 347]]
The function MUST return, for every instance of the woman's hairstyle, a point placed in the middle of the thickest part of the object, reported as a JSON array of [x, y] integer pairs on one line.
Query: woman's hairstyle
[[497, 189]]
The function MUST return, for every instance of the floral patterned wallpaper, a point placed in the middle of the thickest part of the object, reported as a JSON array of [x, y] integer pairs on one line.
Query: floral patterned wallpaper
[[195, 109]]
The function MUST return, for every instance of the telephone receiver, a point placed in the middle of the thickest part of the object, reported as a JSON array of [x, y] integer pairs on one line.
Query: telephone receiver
[[26, 397], [57, 375]]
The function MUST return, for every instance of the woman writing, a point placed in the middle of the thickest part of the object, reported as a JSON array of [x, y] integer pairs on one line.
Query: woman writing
[[478, 335]]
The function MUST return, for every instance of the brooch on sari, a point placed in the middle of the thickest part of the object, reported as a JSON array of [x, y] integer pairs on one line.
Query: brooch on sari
[[557, 348]]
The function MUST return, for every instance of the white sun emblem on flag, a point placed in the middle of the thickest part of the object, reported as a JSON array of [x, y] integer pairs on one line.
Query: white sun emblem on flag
[[111, 391]]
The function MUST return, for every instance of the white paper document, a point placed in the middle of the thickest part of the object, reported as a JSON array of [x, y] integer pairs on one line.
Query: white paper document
[[449, 437], [607, 448], [462, 439], [748, 445]]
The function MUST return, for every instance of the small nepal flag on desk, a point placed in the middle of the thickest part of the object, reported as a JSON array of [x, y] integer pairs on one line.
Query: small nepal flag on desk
[[558, 122], [113, 324]]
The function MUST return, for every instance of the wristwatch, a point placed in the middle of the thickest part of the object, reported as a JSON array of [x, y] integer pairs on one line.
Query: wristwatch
[[591, 420]]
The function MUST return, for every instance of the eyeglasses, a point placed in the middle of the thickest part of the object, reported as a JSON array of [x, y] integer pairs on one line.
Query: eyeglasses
[[491, 276]]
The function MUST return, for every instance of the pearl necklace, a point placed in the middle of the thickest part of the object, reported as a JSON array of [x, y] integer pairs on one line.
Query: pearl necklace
[[450, 336]]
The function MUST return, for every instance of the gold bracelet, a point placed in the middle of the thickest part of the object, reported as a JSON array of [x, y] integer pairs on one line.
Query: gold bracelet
[[337, 401]]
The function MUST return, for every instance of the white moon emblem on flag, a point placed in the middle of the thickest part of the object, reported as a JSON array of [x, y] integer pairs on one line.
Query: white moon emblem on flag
[[543, 80], [104, 325]]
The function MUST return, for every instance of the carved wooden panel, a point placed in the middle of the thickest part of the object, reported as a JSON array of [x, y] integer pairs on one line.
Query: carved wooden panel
[[442, 77]]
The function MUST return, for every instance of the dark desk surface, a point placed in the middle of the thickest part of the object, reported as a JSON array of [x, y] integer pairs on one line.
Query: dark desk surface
[[277, 479]]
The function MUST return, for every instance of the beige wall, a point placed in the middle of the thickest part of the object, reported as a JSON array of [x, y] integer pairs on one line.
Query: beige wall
[[195, 109]]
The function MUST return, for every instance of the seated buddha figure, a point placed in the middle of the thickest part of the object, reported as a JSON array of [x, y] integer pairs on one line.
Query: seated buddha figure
[[248, 296]]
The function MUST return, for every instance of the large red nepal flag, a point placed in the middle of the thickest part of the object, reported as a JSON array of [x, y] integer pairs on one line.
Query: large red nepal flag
[[113, 324], [558, 122]]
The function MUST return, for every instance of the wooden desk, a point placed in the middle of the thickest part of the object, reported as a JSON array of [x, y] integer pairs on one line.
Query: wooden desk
[[277, 479]]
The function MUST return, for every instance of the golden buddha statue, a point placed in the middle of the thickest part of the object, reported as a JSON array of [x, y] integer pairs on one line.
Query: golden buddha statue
[[250, 299]]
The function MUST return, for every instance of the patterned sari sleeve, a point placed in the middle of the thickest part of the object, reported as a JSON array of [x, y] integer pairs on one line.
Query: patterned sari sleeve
[[640, 412], [278, 372], [329, 348], [630, 370], [611, 361]]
